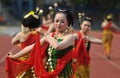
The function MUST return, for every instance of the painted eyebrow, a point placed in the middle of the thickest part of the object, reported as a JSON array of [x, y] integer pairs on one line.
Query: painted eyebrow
[[61, 20]]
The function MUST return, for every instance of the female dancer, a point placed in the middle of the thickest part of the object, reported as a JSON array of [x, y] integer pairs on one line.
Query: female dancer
[[47, 24], [85, 24], [30, 22], [108, 28]]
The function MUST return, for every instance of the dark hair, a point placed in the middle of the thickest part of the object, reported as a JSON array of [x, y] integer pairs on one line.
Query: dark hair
[[82, 18], [31, 19], [88, 19], [69, 15]]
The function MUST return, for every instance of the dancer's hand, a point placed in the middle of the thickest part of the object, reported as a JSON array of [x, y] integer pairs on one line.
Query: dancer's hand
[[85, 37], [40, 30], [11, 55]]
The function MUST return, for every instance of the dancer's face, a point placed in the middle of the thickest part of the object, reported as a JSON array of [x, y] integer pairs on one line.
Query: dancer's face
[[85, 26], [60, 22]]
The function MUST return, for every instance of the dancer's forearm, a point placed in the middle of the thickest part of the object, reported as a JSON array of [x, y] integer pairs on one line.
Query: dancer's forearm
[[24, 51]]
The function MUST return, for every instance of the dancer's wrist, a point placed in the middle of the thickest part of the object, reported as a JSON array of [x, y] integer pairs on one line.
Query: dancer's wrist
[[46, 34], [14, 56]]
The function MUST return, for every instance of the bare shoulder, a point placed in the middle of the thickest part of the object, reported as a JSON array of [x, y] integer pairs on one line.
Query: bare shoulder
[[76, 35], [18, 34], [72, 36]]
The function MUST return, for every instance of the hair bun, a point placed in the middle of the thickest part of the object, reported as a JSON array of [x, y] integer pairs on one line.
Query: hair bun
[[32, 18]]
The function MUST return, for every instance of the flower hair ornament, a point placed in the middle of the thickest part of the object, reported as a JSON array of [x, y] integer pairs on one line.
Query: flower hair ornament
[[82, 17], [35, 13]]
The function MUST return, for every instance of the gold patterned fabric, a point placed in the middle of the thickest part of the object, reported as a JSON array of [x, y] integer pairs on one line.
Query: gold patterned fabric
[[27, 74], [82, 71], [107, 40]]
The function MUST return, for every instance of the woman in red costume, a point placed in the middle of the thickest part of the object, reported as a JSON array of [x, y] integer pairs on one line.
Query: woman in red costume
[[47, 24], [109, 27], [27, 36], [85, 23]]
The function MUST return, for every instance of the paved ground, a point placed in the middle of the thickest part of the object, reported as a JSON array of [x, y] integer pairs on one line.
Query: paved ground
[[100, 66]]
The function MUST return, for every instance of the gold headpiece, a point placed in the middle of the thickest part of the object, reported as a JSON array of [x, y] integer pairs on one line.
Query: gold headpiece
[[30, 13], [34, 14], [110, 16]]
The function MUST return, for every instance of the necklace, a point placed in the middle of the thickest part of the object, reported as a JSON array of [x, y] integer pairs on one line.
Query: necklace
[[86, 43], [59, 36]]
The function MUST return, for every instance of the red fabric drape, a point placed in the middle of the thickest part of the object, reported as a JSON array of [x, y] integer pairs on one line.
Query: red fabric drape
[[14, 67], [45, 27], [60, 65], [116, 32], [80, 53]]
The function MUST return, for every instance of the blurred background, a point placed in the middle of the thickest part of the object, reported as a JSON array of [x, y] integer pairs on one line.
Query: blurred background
[[11, 11]]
